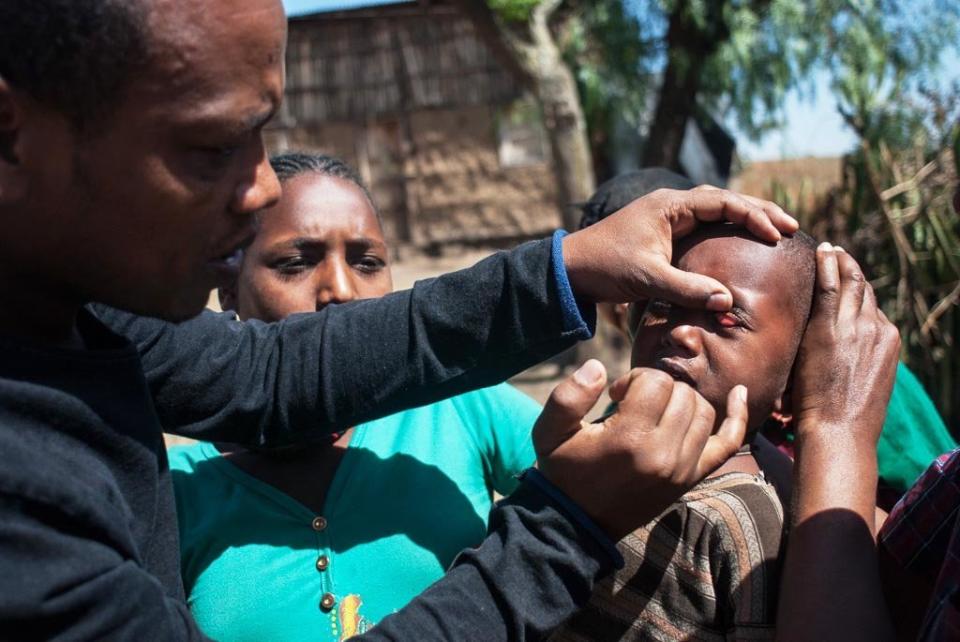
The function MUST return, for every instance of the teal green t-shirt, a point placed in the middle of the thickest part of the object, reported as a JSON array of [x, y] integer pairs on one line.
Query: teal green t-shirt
[[411, 491], [913, 433]]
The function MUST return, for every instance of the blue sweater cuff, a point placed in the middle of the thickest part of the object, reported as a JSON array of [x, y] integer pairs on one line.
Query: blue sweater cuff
[[536, 478], [578, 317]]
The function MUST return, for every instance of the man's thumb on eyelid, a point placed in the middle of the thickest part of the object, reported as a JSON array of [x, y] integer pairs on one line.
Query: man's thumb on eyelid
[[689, 289], [569, 402]]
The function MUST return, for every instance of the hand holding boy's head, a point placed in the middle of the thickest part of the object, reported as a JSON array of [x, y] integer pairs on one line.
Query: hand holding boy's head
[[755, 342]]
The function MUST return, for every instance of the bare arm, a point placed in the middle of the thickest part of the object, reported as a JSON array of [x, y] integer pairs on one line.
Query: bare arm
[[844, 375]]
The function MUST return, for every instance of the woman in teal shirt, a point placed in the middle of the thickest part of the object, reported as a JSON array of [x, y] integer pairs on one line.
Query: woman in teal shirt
[[322, 542]]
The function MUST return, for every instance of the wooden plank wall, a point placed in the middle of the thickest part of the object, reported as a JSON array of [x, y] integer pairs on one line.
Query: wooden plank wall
[[410, 96]]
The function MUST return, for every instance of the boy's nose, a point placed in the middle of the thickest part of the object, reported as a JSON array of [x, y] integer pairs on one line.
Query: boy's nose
[[686, 337]]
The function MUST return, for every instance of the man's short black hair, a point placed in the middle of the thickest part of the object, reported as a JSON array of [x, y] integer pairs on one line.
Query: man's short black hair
[[75, 56]]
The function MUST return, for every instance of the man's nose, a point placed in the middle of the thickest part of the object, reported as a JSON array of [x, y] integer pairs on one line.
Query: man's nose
[[335, 284], [259, 188]]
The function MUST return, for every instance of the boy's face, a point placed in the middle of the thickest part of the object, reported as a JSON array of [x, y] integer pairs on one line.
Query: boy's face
[[753, 344]]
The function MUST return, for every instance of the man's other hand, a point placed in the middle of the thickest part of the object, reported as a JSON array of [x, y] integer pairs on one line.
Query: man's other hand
[[848, 357], [626, 470], [626, 256]]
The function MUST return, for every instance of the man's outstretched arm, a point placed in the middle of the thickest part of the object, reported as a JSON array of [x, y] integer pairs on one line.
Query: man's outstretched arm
[[311, 374]]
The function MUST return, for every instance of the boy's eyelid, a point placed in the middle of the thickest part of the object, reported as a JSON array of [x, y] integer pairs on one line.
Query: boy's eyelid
[[741, 315]]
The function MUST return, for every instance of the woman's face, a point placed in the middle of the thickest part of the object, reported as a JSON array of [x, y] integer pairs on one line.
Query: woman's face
[[322, 243]]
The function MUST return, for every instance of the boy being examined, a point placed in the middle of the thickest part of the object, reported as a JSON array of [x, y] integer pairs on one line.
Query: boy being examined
[[708, 567]]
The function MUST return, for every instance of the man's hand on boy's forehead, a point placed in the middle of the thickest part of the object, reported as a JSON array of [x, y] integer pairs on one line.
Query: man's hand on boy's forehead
[[626, 256]]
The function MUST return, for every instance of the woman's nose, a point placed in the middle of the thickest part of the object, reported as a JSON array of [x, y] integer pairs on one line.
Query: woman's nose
[[335, 284]]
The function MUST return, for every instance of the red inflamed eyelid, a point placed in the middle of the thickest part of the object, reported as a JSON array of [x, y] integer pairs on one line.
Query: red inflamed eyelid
[[727, 320]]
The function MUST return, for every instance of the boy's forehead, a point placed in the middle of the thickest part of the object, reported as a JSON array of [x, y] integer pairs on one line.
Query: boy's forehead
[[754, 270]]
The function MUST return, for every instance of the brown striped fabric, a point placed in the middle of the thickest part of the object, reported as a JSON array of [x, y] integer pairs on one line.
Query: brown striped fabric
[[708, 568]]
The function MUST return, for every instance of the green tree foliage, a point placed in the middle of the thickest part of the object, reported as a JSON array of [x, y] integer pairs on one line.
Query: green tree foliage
[[757, 51]]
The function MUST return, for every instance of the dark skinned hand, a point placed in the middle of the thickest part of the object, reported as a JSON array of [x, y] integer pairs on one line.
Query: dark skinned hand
[[626, 470], [626, 256], [848, 356]]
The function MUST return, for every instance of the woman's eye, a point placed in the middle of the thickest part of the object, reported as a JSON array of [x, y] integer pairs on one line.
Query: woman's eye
[[291, 266], [727, 320], [371, 264]]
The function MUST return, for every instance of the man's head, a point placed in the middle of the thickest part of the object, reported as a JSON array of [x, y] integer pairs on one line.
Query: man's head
[[322, 243], [131, 159], [756, 342]]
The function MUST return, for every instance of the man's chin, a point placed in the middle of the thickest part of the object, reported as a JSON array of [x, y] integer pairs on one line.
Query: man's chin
[[176, 309]]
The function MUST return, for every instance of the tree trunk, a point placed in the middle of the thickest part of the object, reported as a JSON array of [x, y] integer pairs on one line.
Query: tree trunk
[[566, 127], [688, 48], [535, 57]]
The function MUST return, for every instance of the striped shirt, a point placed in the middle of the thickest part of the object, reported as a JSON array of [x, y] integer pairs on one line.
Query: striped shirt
[[708, 568]]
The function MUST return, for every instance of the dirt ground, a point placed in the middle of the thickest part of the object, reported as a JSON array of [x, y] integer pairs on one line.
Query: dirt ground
[[538, 381]]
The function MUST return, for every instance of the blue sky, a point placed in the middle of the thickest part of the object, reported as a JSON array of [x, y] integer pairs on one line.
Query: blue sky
[[812, 126], [301, 7]]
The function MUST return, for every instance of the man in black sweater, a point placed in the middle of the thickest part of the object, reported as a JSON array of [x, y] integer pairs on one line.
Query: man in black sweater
[[131, 166]]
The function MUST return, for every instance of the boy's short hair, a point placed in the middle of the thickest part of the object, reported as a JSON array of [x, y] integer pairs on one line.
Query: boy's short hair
[[620, 191]]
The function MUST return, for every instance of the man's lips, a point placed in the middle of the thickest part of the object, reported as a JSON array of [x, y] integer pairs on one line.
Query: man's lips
[[675, 368], [228, 263]]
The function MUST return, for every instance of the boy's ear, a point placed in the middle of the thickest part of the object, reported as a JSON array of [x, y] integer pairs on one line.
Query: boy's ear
[[13, 178], [783, 406], [228, 296]]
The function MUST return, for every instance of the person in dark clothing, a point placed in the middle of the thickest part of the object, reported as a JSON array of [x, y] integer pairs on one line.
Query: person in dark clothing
[[131, 166]]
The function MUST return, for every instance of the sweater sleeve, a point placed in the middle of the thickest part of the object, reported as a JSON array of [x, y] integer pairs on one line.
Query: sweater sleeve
[[59, 581], [534, 570], [216, 379]]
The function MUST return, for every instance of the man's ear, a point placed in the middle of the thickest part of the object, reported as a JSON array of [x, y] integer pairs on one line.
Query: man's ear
[[13, 180]]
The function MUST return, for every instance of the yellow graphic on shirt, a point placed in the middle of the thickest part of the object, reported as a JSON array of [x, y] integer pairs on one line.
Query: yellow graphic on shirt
[[351, 622]]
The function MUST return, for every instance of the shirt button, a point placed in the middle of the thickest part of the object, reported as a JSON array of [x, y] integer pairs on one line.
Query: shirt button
[[327, 601], [322, 563], [319, 523]]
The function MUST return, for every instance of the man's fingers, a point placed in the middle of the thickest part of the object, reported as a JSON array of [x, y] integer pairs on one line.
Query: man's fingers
[[828, 282], [852, 286], [698, 432], [688, 289], [780, 219], [645, 390], [680, 411], [869, 304], [728, 439], [569, 402], [763, 219], [618, 389]]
